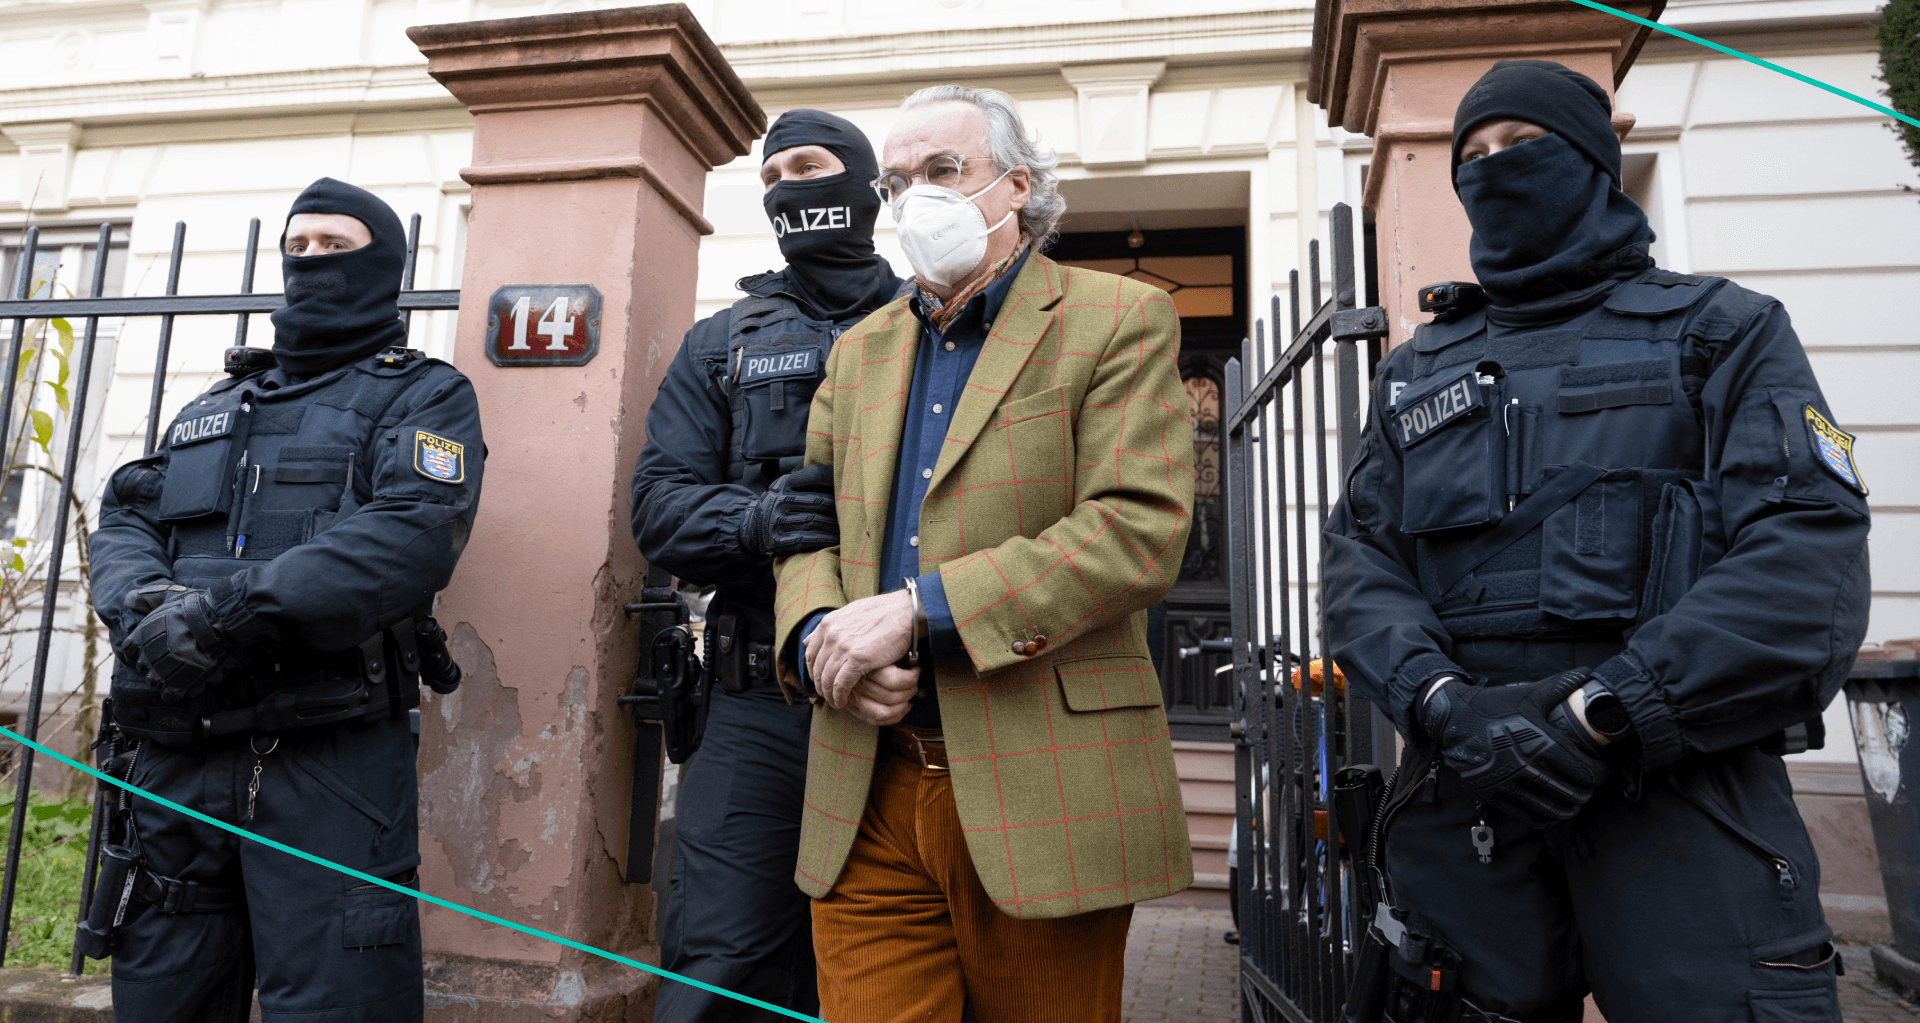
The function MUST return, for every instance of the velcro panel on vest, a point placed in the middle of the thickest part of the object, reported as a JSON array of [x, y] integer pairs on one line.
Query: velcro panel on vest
[[315, 453], [273, 418], [1615, 385], [270, 533], [336, 473]]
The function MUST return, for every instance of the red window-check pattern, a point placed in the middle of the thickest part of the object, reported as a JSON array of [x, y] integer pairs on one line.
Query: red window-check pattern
[[1058, 508]]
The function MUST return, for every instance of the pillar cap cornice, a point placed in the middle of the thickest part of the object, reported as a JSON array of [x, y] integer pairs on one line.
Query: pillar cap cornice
[[657, 55], [1354, 40]]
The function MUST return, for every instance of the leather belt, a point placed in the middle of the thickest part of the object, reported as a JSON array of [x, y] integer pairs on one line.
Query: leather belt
[[924, 746]]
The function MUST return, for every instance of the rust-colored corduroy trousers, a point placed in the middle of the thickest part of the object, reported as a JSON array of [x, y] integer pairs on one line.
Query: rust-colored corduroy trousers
[[908, 933]]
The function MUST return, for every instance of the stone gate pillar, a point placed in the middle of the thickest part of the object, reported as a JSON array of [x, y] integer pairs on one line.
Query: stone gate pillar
[[1396, 69], [593, 136]]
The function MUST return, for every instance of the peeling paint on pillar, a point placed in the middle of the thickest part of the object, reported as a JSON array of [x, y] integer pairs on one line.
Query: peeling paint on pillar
[[460, 792], [526, 768]]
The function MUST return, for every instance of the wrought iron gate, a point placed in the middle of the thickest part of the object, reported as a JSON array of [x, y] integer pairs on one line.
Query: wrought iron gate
[[1296, 896], [23, 306]]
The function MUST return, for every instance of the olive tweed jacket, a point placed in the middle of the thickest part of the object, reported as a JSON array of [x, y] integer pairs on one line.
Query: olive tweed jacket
[[1057, 513]]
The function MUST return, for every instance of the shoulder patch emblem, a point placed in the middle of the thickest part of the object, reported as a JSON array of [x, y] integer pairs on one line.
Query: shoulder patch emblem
[[1834, 447], [438, 458]]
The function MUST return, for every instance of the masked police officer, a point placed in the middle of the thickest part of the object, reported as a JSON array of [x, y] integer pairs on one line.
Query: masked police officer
[[1602, 557], [716, 496], [267, 576]]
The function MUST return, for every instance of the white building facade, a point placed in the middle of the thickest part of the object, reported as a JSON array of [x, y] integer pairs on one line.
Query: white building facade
[[1183, 122]]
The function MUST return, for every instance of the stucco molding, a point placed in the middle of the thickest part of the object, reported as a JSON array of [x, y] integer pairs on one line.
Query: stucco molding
[[657, 55], [1209, 37], [357, 88]]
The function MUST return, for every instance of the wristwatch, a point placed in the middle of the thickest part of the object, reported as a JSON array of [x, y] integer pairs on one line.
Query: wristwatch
[[1604, 712]]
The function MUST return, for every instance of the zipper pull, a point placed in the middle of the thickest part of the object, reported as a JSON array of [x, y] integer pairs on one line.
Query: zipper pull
[[1482, 836], [1430, 785], [1786, 874]]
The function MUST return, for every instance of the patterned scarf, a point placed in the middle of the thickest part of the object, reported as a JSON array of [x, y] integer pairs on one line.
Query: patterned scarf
[[943, 315]]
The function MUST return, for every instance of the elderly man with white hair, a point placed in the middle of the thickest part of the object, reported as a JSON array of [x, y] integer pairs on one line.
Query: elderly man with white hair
[[990, 785]]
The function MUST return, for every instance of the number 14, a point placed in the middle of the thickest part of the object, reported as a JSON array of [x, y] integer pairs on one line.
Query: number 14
[[555, 324]]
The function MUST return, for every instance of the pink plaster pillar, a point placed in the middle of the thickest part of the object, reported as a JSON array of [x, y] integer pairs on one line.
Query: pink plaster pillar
[[1396, 69], [593, 136]]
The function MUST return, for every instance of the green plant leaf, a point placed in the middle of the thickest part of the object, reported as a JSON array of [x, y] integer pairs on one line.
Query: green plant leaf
[[60, 396], [22, 541], [65, 330], [18, 564], [42, 430]]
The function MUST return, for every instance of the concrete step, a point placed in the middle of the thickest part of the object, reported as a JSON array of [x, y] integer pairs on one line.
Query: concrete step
[[1205, 765], [1215, 880], [1209, 828], [1206, 786], [1207, 799]]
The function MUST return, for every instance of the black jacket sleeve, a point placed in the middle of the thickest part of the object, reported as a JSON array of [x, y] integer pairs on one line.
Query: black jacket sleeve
[[1384, 635], [1765, 637], [128, 549], [686, 516]]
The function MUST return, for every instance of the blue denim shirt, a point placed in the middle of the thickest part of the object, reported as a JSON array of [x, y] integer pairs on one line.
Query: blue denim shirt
[[940, 372]]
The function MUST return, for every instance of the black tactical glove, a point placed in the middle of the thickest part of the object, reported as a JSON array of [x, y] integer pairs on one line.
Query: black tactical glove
[[181, 646], [1506, 747], [794, 516], [142, 602]]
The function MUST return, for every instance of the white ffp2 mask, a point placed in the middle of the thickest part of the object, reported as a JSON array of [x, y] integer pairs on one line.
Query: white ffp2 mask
[[943, 232]]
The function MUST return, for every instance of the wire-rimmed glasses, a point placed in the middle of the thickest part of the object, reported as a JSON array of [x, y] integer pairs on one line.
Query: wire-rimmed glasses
[[943, 170]]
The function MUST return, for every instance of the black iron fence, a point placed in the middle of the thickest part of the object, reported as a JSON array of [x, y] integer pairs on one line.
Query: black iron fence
[[1291, 433], [24, 308]]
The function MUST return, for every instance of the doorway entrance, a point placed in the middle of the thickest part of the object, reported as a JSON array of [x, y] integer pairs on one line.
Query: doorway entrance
[[1204, 269]]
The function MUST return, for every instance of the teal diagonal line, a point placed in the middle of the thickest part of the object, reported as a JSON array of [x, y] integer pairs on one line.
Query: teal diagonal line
[[402, 889], [1731, 52]]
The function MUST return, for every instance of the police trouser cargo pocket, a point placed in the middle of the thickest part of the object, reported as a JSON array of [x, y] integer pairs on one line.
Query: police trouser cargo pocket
[[1699, 901], [317, 944]]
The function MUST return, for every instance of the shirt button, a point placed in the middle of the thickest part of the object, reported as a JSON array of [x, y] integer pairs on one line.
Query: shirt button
[[913, 541], [936, 410], [949, 346], [926, 474]]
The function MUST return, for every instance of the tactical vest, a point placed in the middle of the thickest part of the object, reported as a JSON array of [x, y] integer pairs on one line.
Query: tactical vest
[[776, 358], [1554, 477], [251, 474]]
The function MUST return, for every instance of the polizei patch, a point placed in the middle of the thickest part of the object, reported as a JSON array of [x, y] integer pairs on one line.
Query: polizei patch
[[1834, 447], [1421, 418], [438, 458], [778, 365], [193, 431]]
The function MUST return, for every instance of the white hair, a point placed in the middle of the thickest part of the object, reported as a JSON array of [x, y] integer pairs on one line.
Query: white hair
[[1010, 146]]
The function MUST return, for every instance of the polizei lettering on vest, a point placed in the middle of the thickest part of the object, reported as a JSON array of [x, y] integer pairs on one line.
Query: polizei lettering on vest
[[1437, 409], [820, 218], [203, 428], [777, 364]]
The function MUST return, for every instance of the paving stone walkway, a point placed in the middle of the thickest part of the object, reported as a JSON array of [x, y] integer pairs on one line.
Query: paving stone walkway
[[1863, 999], [1179, 969]]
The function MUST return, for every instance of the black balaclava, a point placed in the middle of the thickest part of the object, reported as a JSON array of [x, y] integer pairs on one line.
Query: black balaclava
[[1548, 215], [825, 225], [341, 306]]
